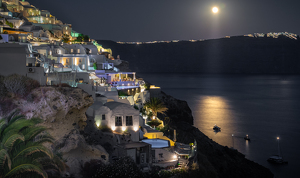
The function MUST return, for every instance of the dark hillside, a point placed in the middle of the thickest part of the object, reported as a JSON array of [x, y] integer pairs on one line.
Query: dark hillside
[[227, 55]]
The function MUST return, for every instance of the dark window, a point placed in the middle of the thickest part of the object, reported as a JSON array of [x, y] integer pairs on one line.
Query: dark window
[[103, 116], [128, 120], [118, 121]]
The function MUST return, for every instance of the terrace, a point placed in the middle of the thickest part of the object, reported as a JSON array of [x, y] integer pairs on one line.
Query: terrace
[[119, 80]]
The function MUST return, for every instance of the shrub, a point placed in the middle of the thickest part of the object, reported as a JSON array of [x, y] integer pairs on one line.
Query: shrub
[[122, 93], [20, 85], [6, 106], [31, 84], [15, 84], [165, 173], [66, 38], [147, 86], [90, 168], [136, 107], [3, 90], [154, 122], [123, 167], [9, 24], [164, 129], [95, 65], [105, 128]]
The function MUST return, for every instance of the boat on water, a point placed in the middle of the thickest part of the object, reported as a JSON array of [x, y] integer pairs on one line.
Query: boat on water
[[247, 137], [216, 128], [277, 159]]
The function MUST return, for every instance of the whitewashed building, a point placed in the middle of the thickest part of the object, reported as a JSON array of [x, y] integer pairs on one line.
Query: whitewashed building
[[119, 117]]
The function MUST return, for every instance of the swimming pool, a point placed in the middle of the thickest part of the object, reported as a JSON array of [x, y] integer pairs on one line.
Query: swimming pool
[[126, 87]]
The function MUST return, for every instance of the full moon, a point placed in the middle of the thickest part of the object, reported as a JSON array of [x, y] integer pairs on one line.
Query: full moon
[[215, 9]]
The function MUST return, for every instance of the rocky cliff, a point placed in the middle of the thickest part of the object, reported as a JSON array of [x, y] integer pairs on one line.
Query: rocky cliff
[[214, 160], [63, 111]]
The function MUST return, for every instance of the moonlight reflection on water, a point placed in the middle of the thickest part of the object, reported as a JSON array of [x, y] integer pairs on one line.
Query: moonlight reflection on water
[[262, 106]]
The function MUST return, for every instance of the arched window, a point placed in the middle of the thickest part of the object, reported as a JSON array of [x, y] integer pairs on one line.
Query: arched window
[[11, 38], [92, 60]]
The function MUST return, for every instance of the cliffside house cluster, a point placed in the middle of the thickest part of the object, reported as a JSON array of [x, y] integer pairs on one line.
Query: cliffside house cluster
[[32, 44]]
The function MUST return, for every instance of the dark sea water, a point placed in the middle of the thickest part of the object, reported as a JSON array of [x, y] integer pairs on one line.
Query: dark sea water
[[262, 106]]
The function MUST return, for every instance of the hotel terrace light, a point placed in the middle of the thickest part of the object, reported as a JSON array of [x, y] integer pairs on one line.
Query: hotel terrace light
[[123, 129], [113, 128], [135, 129]]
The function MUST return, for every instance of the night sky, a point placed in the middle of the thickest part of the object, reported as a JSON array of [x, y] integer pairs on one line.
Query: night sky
[[150, 20]]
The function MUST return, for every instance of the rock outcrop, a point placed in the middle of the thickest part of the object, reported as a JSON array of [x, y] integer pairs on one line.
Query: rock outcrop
[[63, 111], [76, 151], [178, 110]]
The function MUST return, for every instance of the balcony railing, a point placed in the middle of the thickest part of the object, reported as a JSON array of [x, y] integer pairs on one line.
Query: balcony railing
[[123, 83]]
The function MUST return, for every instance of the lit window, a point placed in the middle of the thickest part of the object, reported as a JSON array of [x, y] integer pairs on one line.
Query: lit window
[[90, 51], [78, 50], [103, 116], [118, 121], [128, 120], [71, 50]]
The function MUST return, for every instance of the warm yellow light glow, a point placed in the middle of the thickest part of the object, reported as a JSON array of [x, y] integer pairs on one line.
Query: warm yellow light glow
[[113, 128], [174, 156], [135, 129], [98, 123], [277, 138], [123, 128], [215, 10], [154, 87]]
